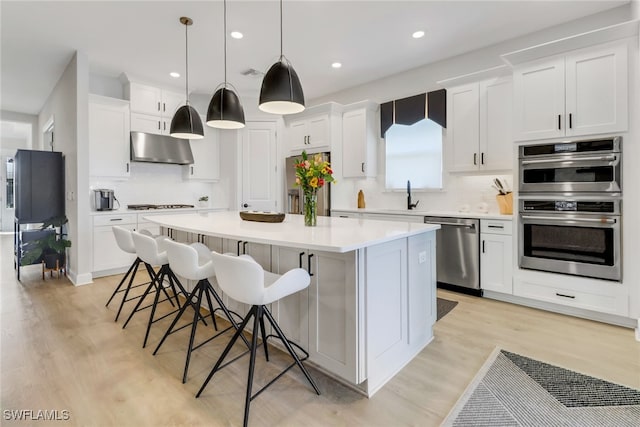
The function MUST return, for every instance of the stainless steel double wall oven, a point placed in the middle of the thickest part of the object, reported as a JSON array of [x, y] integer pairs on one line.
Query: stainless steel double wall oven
[[570, 197]]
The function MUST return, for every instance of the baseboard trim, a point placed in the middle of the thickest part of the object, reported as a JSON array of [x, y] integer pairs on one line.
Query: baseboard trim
[[79, 279]]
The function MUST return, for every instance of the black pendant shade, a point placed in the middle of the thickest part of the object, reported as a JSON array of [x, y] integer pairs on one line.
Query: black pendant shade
[[225, 110], [281, 91], [186, 124]]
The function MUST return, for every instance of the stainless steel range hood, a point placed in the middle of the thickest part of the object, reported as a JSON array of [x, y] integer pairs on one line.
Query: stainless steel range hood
[[147, 147]]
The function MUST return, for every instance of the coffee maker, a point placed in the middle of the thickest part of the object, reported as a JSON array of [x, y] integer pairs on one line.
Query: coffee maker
[[103, 199]]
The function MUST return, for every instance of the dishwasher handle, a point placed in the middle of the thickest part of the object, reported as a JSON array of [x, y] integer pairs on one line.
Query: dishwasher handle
[[452, 224]]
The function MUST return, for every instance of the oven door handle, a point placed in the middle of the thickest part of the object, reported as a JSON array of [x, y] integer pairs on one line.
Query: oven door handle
[[569, 160], [589, 220]]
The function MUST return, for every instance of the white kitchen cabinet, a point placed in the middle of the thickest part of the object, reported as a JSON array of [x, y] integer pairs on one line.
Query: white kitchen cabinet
[[333, 311], [108, 137], [581, 93], [152, 108], [310, 134], [314, 130], [291, 312], [496, 256], [359, 141], [107, 255], [206, 156], [479, 126]]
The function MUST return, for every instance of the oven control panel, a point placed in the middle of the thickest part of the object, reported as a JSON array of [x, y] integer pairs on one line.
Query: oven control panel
[[595, 206]]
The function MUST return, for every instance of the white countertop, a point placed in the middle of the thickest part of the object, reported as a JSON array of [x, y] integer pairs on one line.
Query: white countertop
[[154, 211], [331, 234], [451, 214]]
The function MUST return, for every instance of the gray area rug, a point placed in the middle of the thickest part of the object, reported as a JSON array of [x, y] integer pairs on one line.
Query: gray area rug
[[513, 390], [444, 307]]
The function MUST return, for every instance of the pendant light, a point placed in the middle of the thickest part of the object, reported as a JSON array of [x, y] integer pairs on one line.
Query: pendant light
[[225, 110], [281, 91], [186, 123]]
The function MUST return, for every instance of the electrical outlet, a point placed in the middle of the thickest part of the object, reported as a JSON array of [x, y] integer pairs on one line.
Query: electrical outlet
[[422, 257]]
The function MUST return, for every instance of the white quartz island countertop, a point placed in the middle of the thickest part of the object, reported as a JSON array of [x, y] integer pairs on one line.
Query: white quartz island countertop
[[331, 234]]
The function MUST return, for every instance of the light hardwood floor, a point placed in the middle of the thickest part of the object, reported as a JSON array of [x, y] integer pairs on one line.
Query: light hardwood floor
[[60, 349]]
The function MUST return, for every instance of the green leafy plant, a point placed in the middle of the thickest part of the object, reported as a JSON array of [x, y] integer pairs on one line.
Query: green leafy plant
[[50, 244], [203, 199]]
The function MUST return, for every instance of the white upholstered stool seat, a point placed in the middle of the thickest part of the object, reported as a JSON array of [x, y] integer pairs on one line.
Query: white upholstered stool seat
[[194, 262], [244, 280]]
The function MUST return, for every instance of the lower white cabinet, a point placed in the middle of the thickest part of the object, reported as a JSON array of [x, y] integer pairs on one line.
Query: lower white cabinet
[[496, 256], [107, 255]]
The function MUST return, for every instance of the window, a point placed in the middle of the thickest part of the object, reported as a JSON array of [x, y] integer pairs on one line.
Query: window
[[414, 153]]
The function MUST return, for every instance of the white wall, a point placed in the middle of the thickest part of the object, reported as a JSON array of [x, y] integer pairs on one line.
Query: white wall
[[106, 86], [68, 105], [30, 119]]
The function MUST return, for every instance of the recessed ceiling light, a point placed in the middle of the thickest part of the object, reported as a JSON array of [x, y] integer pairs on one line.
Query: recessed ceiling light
[[336, 65], [418, 34], [174, 74], [236, 34]]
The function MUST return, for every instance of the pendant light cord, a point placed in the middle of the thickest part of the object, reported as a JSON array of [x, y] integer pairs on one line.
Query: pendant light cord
[[281, 50], [225, 43], [186, 60]]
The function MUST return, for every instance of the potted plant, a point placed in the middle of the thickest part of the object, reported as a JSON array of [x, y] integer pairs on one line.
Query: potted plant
[[50, 248], [203, 201]]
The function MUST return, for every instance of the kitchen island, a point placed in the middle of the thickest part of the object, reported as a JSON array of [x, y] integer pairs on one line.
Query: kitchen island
[[371, 304]]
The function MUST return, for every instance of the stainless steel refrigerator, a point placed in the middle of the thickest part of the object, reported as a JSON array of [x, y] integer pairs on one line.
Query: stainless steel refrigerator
[[293, 196]]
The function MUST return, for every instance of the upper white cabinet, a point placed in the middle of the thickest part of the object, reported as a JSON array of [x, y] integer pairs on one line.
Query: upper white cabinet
[[359, 141], [313, 130], [479, 125], [206, 156], [312, 133], [108, 137], [152, 108], [581, 93]]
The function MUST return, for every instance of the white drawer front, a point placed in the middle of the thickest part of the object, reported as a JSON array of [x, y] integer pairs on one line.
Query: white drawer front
[[495, 226], [99, 220], [611, 299]]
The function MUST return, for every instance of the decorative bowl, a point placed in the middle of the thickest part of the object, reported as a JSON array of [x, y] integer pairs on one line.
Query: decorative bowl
[[262, 216]]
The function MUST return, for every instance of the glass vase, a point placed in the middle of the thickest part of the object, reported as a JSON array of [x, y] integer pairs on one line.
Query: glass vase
[[310, 209]]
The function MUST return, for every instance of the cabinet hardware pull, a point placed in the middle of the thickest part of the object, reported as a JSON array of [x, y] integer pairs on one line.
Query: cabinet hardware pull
[[164, 107], [159, 125], [164, 125], [127, 167], [300, 259], [496, 226], [482, 158], [244, 247], [115, 219], [191, 170], [309, 264], [158, 105], [344, 216], [475, 159], [566, 296], [362, 166], [570, 120], [238, 247], [483, 246], [559, 122]]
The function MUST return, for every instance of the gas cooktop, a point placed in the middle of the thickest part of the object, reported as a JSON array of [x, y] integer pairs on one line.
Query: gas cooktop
[[170, 206]]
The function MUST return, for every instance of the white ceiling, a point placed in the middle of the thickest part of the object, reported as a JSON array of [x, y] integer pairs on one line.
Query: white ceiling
[[372, 39]]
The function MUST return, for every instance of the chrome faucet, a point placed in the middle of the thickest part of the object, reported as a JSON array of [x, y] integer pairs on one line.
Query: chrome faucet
[[409, 204]]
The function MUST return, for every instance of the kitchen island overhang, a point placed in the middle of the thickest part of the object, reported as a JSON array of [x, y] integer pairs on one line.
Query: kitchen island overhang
[[371, 304]]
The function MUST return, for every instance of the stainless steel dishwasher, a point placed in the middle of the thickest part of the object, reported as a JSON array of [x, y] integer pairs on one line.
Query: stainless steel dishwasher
[[458, 253]]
